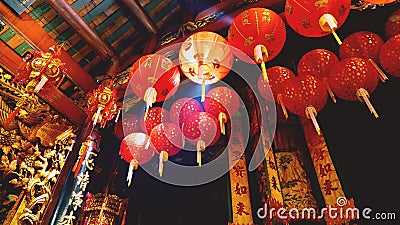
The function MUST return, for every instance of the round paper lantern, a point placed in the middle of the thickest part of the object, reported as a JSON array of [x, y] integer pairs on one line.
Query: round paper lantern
[[258, 32], [183, 108], [155, 116], [277, 76], [202, 130], [305, 96], [317, 18], [318, 63], [136, 149], [354, 78], [390, 56], [167, 141], [366, 45], [154, 78], [222, 102], [392, 25], [205, 58], [129, 124]]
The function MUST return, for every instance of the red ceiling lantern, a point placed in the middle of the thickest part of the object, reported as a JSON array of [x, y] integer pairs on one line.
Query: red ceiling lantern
[[167, 141], [317, 18], [318, 63], [305, 96], [222, 102], [366, 45], [129, 124], [390, 56], [154, 78], [205, 58], [392, 25], [258, 32], [354, 78], [183, 108], [277, 76], [202, 130], [155, 116], [136, 149]]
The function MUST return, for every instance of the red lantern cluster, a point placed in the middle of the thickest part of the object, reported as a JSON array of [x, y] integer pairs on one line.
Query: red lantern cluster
[[392, 25], [390, 56]]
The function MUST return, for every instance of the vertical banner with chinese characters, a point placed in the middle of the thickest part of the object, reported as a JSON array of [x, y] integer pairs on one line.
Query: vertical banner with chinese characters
[[73, 200], [327, 177], [239, 184]]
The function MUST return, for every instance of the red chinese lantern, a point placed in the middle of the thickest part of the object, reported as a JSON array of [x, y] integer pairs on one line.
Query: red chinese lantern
[[167, 141], [390, 56], [277, 76], [202, 130], [380, 2], [222, 102], [354, 78], [392, 25], [154, 78], [318, 63], [183, 108], [305, 96], [366, 45], [258, 32], [129, 124], [155, 116], [317, 18], [136, 149], [205, 58]]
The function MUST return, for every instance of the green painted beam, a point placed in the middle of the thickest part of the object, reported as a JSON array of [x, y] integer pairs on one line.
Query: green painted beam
[[119, 32], [74, 49], [88, 58], [172, 5], [109, 21], [97, 10], [22, 48], [7, 35], [53, 24], [39, 11]]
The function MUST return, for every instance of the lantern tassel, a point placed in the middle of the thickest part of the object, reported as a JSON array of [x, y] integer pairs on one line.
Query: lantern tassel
[[117, 117], [96, 116], [150, 97], [329, 89], [327, 22], [200, 146], [41, 83], [183, 137], [364, 97], [382, 75], [337, 38], [203, 81], [133, 165], [285, 113], [162, 158], [259, 52], [311, 113], [222, 120]]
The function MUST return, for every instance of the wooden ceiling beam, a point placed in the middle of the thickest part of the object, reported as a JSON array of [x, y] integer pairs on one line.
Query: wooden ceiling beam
[[141, 15], [39, 38], [10, 60]]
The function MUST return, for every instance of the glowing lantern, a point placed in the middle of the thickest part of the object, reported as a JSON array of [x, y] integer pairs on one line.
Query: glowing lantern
[[155, 116], [277, 76], [317, 18], [392, 25], [136, 149], [318, 63], [258, 32], [154, 78], [366, 45], [202, 130], [390, 56], [183, 108], [222, 102], [129, 124], [354, 78], [205, 58], [167, 140], [305, 96]]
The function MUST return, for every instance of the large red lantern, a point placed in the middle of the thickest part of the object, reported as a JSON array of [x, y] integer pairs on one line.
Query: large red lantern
[[167, 141], [154, 78], [205, 58], [129, 124], [258, 32], [155, 116], [277, 76], [318, 63], [390, 56], [202, 130], [354, 78], [136, 149], [317, 18], [183, 108], [392, 25], [222, 102], [366, 45], [305, 96]]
